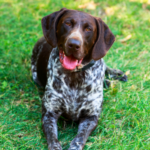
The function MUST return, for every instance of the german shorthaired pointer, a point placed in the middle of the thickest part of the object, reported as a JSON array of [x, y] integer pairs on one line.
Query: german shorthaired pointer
[[68, 63]]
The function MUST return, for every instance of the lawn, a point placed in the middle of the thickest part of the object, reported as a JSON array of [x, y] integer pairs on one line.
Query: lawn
[[125, 120]]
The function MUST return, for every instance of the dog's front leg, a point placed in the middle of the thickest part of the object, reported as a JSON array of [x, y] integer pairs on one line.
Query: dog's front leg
[[50, 129], [86, 126]]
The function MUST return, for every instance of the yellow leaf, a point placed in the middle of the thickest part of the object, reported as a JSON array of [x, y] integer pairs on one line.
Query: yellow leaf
[[133, 87], [91, 5], [127, 72], [109, 11], [126, 38]]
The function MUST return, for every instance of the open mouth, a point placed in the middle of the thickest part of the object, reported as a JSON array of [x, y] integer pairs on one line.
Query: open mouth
[[68, 62]]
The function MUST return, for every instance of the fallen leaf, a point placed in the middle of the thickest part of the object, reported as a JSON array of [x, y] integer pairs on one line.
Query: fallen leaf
[[144, 6], [109, 11], [133, 87], [91, 5], [127, 72], [126, 38], [144, 52]]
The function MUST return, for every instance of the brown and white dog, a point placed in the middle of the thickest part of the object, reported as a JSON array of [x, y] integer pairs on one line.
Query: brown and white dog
[[68, 63]]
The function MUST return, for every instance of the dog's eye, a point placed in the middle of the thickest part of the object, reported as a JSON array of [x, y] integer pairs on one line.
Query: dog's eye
[[88, 29], [68, 23]]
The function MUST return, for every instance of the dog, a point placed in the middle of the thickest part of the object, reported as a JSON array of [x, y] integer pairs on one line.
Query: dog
[[68, 63]]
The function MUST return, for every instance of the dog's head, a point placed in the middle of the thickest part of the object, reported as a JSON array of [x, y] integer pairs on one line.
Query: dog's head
[[79, 36]]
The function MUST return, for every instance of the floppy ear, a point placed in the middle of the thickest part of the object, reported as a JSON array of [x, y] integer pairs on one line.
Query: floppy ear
[[49, 24], [105, 39]]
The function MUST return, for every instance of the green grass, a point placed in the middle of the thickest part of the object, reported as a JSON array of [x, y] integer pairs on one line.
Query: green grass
[[125, 120]]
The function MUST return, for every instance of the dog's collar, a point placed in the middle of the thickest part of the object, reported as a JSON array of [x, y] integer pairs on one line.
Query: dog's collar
[[85, 67], [81, 67]]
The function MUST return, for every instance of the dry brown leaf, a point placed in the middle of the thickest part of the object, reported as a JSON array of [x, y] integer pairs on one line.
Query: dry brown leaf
[[126, 38], [148, 2], [144, 6], [32, 100], [133, 87], [127, 72], [18, 102], [41, 5], [109, 11], [144, 52], [91, 5], [112, 85]]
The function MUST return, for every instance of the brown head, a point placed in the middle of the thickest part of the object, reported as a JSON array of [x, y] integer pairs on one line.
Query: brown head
[[79, 36]]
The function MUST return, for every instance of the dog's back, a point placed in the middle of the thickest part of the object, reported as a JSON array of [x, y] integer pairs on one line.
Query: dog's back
[[39, 60]]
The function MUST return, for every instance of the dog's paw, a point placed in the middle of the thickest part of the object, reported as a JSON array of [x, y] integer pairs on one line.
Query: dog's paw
[[119, 75], [115, 74], [76, 146], [55, 146], [124, 78]]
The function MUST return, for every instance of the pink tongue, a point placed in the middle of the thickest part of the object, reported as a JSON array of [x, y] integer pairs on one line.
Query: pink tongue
[[69, 63]]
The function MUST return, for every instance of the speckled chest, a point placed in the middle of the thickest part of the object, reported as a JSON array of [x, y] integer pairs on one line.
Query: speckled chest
[[77, 94]]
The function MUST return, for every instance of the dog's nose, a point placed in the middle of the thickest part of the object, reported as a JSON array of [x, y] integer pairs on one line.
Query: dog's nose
[[74, 44]]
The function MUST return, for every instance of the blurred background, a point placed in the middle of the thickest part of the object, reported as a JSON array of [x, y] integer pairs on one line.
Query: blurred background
[[125, 119]]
